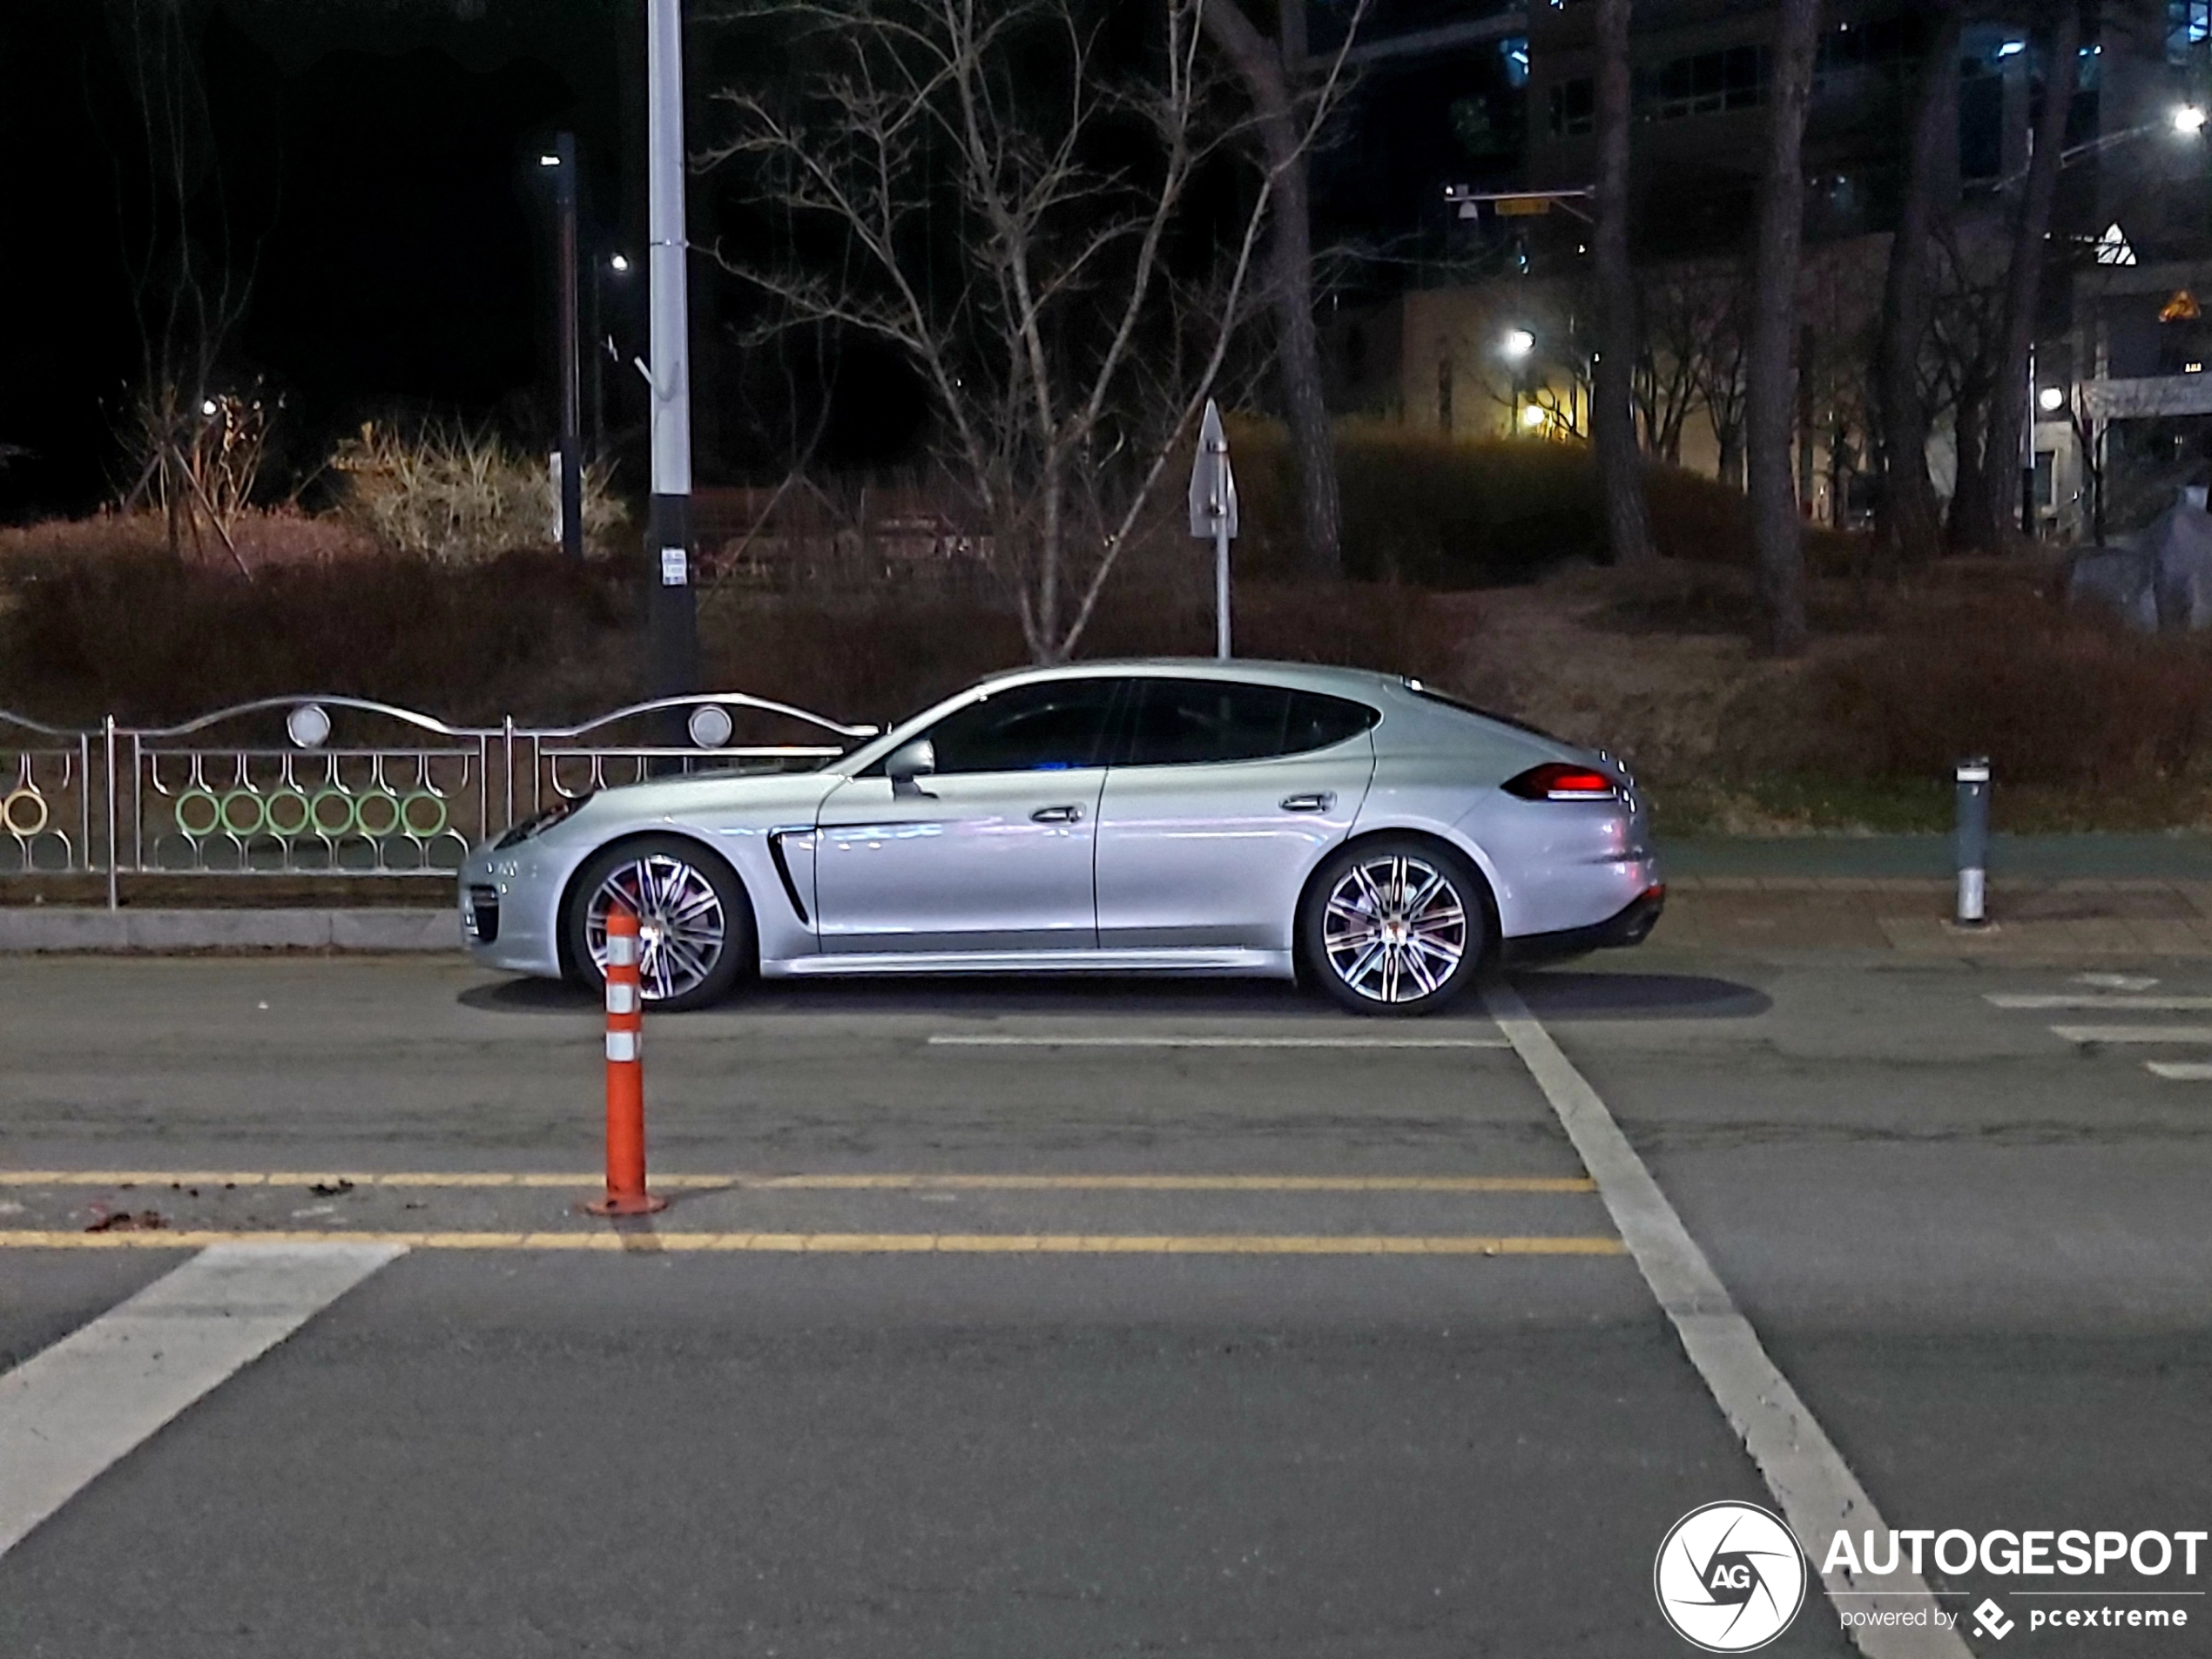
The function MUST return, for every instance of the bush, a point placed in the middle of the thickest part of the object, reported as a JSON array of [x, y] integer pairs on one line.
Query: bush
[[460, 497], [2057, 698], [1450, 513], [148, 640]]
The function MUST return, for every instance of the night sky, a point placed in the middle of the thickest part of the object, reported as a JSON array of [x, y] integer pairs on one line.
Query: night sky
[[378, 160]]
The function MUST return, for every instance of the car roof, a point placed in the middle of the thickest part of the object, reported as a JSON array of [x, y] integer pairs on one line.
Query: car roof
[[1316, 676]]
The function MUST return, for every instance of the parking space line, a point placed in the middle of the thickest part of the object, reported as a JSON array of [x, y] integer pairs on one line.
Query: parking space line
[[995, 1041], [1818, 1494], [2133, 1032], [68, 1413], [892, 1182], [848, 1244]]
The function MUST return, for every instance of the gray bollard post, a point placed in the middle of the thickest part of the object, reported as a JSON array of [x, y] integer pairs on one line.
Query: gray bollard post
[[1973, 840]]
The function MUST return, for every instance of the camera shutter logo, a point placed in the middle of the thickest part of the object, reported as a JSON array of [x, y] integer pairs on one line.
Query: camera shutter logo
[[1729, 1577]]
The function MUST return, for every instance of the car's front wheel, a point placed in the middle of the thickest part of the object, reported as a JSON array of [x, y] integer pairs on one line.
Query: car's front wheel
[[694, 926], [1393, 925]]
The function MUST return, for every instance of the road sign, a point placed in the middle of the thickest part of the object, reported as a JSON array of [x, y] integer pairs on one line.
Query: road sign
[[1213, 483], [1213, 512]]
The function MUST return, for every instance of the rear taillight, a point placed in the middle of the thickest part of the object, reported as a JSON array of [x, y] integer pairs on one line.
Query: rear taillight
[[1558, 780]]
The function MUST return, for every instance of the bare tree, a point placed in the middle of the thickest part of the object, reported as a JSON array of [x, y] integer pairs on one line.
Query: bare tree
[[1065, 359], [1724, 329], [1266, 68], [1692, 359], [1620, 469], [2008, 397], [1906, 518], [190, 267], [1770, 408]]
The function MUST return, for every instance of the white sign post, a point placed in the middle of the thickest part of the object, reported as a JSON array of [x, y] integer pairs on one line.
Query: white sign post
[[1213, 512]]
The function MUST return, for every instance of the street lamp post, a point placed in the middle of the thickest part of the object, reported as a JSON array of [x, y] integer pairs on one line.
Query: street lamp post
[[562, 163], [672, 614]]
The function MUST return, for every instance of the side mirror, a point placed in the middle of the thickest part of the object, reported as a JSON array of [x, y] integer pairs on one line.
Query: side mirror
[[908, 762]]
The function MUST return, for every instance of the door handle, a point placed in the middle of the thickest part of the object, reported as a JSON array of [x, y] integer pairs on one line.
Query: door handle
[[1056, 815], [1318, 803]]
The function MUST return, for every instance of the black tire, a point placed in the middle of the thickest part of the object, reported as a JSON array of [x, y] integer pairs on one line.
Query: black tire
[[675, 978], [1386, 968]]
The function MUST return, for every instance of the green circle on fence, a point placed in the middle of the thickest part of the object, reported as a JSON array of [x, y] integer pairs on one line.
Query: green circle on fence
[[387, 808], [322, 821], [215, 814], [411, 820], [260, 812], [20, 826], [289, 813]]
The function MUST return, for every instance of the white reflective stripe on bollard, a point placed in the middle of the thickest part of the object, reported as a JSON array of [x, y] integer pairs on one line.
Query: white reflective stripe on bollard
[[621, 999], [622, 1045], [621, 950]]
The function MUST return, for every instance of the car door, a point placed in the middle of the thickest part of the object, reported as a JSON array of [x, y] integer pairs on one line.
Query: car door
[[992, 852], [1225, 795]]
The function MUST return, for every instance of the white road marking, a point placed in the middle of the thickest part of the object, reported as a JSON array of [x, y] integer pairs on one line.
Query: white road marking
[[70, 1411], [2072, 1000], [2180, 1072], [2117, 982], [1818, 1494], [1213, 1042], [2133, 1032]]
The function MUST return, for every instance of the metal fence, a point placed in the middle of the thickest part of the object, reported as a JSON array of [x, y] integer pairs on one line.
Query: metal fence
[[340, 786]]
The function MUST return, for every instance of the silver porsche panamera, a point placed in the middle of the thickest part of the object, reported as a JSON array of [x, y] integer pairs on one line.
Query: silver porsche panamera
[[1355, 830]]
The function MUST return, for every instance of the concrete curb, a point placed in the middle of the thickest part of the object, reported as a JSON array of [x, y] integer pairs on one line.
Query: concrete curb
[[58, 928]]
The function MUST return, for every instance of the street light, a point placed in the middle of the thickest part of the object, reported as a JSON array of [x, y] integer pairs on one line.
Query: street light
[[2189, 120], [1519, 342], [1532, 416], [2050, 400]]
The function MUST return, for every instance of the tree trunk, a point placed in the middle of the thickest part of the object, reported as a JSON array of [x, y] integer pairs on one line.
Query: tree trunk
[[1620, 469], [2005, 452], [1905, 519], [1260, 64], [1969, 525], [1770, 410]]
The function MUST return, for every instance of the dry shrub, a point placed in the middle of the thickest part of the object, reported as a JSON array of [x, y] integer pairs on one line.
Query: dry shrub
[[1453, 512], [151, 641], [263, 537], [876, 661], [2058, 698], [459, 495]]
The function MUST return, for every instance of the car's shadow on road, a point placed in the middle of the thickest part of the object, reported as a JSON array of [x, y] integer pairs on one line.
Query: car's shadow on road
[[1551, 994]]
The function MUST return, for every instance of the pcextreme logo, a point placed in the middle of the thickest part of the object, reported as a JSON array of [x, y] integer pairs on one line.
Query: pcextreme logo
[[1729, 1577]]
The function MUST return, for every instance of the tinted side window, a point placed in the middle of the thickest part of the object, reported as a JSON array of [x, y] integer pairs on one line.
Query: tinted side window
[[1317, 721], [1049, 727], [1179, 722]]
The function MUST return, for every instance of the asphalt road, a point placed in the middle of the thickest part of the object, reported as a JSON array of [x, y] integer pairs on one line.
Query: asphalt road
[[1979, 1251]]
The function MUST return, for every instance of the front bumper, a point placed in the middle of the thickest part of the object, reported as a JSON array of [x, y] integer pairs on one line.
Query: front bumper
[[1631, 925], [509, 902]]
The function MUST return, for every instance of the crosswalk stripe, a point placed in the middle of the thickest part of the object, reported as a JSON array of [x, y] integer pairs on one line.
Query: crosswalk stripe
[[68, 1413], [2177, 1034], [2055, 999]]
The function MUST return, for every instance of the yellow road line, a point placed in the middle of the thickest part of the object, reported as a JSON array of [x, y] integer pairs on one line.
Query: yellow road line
[[860, 1183], [859, 1244]]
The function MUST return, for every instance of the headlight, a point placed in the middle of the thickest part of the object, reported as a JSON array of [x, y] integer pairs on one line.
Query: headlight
[[538, 823]]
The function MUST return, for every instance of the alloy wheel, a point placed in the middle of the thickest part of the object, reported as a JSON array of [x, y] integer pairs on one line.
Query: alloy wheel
[[682, 929], [1395, 929]]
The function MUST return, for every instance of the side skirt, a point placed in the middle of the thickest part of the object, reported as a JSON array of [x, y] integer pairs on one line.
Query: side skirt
[[1244, 964]]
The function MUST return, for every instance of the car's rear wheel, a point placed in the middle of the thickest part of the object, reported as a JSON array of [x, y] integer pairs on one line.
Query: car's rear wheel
[[1393, 925], [694, 926]]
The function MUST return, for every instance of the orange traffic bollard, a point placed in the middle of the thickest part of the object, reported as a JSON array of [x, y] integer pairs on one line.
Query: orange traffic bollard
[[626, 1194]]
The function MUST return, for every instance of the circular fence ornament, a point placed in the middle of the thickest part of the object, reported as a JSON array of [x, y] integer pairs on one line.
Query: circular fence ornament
[[710, 726], [24, 812], [307, 725]]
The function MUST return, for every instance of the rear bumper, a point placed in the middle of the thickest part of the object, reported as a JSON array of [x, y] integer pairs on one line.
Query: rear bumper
[[1631, 925]]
